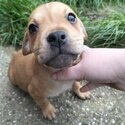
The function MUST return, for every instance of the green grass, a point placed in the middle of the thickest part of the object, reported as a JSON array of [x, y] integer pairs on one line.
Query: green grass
[[13, 21], [106, 29], [109, 32]]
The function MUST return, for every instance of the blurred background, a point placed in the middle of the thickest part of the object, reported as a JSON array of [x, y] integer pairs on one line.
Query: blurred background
[[104, 20]]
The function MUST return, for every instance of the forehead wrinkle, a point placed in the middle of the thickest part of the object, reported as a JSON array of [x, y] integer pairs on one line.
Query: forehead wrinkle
[[50, 9], [50, 14], [37, 15], [56, 9], [55, 16]]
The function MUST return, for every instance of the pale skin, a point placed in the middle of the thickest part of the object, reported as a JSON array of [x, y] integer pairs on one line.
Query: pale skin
[[98, 66]]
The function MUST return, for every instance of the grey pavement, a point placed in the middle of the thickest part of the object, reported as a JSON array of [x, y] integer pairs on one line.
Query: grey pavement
[[105, 107]]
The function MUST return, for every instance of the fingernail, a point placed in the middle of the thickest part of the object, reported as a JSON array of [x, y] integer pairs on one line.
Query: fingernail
[[82, 90], [54, 76]]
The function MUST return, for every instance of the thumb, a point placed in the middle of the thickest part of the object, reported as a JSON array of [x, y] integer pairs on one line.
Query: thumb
[[72, 73], [90, 86]]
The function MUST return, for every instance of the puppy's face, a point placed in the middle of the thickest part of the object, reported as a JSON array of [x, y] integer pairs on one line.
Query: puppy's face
[[55, 34]]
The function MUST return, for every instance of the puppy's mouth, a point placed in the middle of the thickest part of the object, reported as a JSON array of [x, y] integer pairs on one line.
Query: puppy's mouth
[[62, 61]]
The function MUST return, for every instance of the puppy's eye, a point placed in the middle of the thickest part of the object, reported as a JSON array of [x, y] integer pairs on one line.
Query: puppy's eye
[[71, 18], [33, 28]]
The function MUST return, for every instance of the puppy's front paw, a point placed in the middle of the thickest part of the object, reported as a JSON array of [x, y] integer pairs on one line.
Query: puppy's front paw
[[84, 95], [81, 95], [49, 112]]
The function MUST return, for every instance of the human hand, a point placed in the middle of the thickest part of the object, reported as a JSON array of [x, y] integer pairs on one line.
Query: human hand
[[71, 73], [99, 67]]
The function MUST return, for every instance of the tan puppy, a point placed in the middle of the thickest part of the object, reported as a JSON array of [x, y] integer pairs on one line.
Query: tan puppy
[[53, 40]]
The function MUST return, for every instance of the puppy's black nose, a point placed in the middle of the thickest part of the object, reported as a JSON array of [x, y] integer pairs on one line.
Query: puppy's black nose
[[57, 38]]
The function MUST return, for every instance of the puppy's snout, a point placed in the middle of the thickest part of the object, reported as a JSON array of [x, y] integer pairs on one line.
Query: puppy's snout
[[57, 38]]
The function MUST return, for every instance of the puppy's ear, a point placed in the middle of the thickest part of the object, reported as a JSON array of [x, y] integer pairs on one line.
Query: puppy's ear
[[85, 35], [26, 47]]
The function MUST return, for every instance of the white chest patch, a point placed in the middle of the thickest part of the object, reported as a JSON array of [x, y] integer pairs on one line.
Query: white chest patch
[[60, 87]]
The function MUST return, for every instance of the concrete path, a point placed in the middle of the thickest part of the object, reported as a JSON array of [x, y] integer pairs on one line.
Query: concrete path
[[106, 106]]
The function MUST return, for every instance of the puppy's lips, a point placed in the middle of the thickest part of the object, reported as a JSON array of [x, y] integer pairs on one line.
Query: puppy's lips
[[62, 61]]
